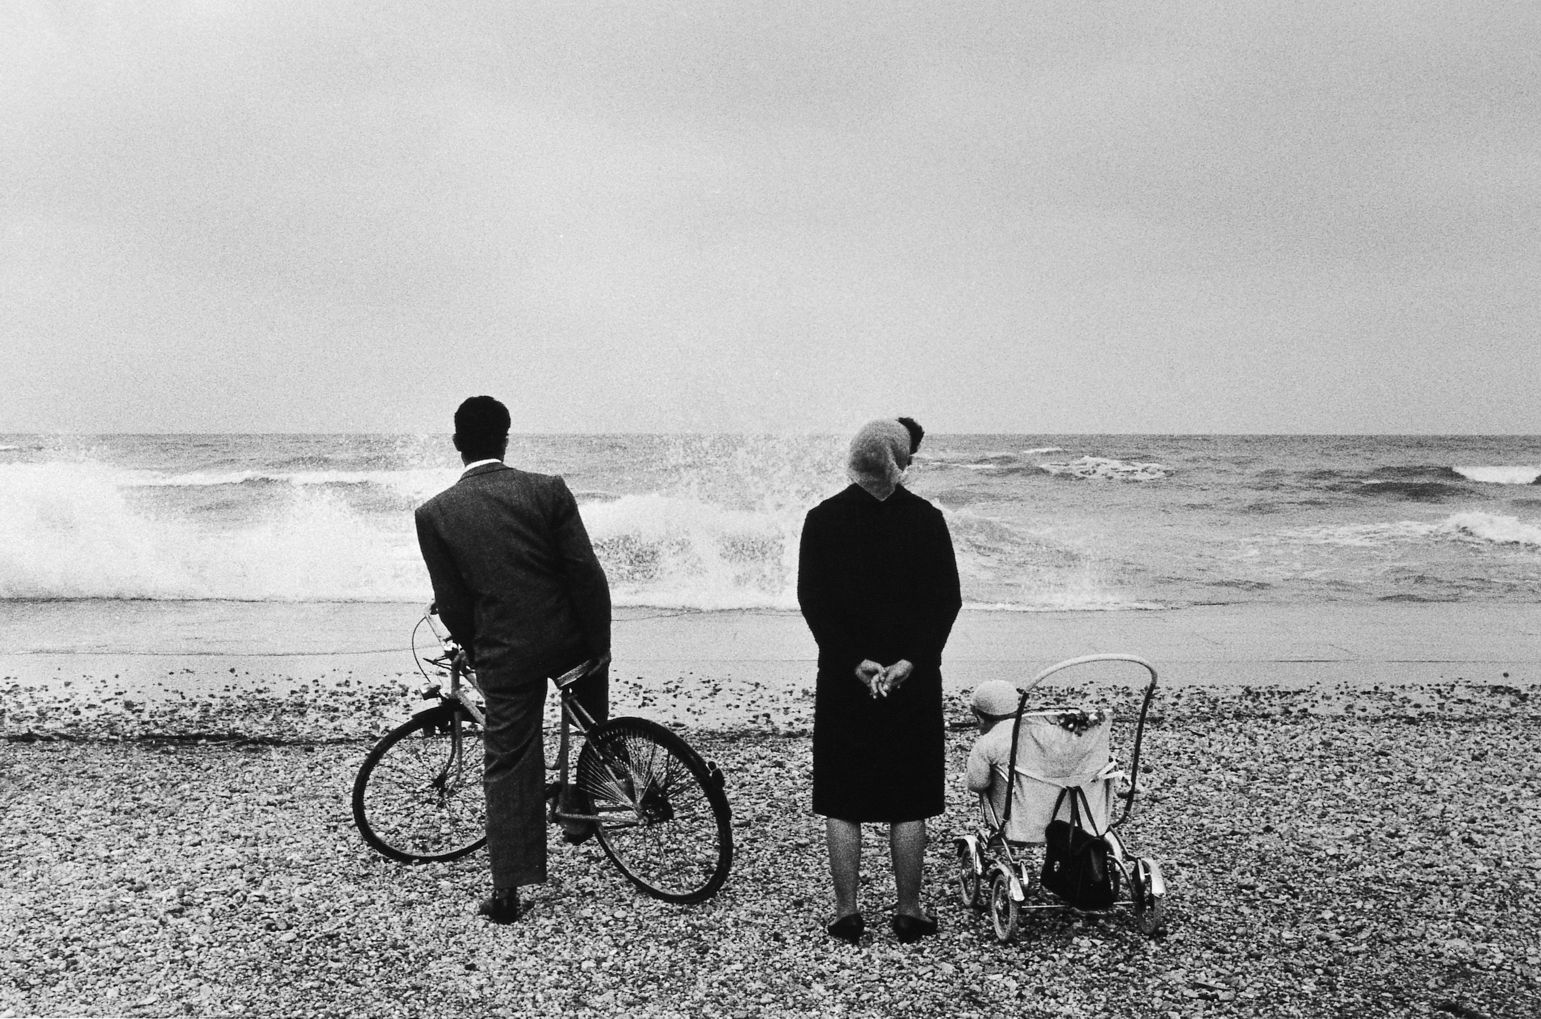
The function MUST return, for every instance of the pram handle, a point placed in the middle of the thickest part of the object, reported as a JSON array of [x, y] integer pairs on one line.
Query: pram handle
[[1086, 659], [1139, 729]]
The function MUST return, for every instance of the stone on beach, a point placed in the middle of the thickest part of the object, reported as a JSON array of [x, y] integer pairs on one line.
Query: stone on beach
[[1333, 846]]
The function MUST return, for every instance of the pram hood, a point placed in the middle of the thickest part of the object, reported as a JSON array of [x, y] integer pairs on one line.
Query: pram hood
[[1056, 748], [1063, 746]]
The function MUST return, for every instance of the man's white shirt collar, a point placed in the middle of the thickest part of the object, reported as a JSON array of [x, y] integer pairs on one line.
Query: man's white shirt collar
[[479, 463]]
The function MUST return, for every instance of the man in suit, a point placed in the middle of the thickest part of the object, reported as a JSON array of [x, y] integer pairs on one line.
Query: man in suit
[[517, 583]]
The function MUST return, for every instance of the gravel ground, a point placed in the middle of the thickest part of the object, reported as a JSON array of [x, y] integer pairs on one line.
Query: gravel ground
[[1377, 858]]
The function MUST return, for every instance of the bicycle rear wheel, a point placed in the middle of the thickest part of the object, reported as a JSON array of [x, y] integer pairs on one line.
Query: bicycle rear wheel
[[662, 817], [418, 796]]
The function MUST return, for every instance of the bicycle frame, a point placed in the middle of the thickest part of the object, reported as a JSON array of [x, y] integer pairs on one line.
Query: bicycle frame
[[655, 807], [462, 676]]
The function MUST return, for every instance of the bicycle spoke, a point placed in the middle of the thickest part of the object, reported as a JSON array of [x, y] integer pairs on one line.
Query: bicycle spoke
[[657, 820], [419, 794]]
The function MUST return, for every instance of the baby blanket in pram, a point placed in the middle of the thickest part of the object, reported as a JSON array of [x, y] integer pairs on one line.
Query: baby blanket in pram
[[1057, 748]]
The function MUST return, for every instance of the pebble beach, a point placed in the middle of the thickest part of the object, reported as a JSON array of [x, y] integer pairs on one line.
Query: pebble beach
[[177, 839]]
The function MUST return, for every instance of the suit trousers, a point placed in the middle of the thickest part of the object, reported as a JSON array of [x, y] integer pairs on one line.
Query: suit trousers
[[515, 780]]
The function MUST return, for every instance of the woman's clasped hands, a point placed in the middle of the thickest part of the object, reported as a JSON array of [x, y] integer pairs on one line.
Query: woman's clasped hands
[[881, 680]]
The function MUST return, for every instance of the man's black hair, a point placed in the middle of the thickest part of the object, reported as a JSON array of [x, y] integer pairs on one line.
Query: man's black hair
[[481, 426], [916, 433]]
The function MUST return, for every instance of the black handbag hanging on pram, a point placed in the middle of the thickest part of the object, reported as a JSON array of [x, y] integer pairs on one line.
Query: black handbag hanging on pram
[[1075, 861]]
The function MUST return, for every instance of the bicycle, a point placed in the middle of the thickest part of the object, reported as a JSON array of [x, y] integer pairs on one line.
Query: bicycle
[[658, 809]]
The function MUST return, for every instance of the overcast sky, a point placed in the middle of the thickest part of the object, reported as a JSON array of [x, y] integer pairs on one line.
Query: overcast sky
[[325, 215]]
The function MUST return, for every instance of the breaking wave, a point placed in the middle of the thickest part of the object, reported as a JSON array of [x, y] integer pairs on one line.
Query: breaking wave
[[1488, 528], [1501, 475], [411, 484], [1104, 469], [79, 530], [712, 522], [73, 531], [1494, 528]]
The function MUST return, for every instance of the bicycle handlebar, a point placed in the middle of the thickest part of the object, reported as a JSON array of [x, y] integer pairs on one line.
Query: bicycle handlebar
[[431, 616]]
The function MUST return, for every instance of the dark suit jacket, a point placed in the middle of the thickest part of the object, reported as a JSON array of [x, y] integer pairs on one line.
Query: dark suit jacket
[[514, 574]]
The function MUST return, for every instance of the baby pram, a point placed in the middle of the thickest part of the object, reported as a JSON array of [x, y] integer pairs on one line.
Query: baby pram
[[1060, 770]]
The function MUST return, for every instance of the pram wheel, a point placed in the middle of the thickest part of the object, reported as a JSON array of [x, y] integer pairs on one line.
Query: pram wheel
[[1005, 913], [969, 881], [1148, 892]]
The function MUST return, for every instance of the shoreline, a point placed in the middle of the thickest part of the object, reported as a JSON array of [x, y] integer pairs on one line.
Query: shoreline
[[324, 670], [1261, 633]]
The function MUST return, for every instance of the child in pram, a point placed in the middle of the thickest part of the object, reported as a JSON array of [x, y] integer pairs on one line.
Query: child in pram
[[1034, 767], [1057, 749]]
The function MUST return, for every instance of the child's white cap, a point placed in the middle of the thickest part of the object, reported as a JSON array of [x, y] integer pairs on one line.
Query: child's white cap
[[996, 698]]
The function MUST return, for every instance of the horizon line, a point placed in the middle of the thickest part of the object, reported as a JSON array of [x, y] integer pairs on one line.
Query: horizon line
[[794, 434]]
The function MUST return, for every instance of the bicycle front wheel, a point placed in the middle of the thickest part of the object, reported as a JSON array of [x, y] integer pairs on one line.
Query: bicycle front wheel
[[418, 796], [661, 814]]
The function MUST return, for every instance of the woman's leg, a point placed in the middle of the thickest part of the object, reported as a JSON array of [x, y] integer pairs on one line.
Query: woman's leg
[[907, 845], [844, 840]]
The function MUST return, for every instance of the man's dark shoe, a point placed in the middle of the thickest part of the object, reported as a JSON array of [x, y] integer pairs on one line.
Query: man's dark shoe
[[574, 832], [502, 906], [912, 928], [577, 834]]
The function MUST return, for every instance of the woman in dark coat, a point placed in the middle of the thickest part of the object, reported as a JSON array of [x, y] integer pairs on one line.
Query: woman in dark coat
[[878, 585]]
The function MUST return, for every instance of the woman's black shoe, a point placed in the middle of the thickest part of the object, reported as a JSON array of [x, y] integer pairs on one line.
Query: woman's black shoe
[[913, 928], [847, 928]]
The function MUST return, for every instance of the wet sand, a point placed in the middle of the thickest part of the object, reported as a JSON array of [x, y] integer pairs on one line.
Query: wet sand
[[351, 665]]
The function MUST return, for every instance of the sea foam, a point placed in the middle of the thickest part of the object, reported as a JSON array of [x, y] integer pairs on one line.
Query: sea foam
[[712, 522], [81, 529], [1489, 528], [1494, 528], [68, 530], [1501, 475], [1105, 469], [417, 485], [685, 552]]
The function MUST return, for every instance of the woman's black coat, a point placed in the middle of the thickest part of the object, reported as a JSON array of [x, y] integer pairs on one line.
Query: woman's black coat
[[878, 580]]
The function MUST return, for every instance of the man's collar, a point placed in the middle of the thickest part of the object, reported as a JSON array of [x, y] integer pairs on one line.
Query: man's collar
[[479, 463]]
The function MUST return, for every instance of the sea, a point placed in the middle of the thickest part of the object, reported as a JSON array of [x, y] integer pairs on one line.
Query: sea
[[1081, 523]]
